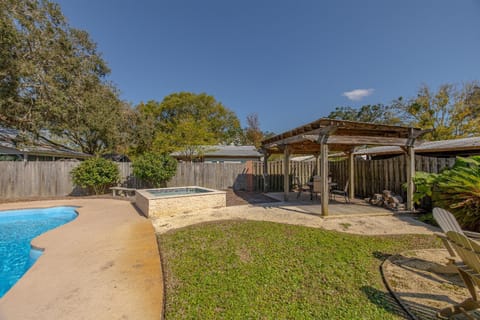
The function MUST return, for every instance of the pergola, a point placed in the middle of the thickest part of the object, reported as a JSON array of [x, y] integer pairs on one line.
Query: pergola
[[323, 135]]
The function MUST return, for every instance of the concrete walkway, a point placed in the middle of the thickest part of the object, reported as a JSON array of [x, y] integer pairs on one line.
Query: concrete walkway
[[297, 214], [103, 265]]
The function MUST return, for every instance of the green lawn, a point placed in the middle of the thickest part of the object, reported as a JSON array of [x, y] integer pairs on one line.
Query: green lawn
[[263, 270]]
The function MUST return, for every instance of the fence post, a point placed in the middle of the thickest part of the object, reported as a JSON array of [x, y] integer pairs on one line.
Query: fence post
[[249, 175], [410, 176], [286, 173], [351, 175], [265, 171]]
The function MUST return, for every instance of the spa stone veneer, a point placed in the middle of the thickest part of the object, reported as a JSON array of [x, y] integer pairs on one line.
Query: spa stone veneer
[[155, 203]]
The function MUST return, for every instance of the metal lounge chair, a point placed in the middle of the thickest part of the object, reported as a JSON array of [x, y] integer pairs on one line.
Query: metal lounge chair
[[469, 269], [343, 192], [447, 222]]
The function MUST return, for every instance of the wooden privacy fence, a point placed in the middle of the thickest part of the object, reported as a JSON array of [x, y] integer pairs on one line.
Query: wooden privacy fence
[[374, 176], [20, 179], [371, 176], [50, 178], [304, 170], [211, 175]]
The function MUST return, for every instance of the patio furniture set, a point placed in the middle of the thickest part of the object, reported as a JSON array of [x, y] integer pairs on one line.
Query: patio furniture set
[[313, 187]]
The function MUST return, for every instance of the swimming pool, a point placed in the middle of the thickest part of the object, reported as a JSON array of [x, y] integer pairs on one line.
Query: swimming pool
[[17, 229]]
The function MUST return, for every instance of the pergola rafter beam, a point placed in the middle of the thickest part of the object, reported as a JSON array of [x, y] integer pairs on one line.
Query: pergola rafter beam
[[344, 140]]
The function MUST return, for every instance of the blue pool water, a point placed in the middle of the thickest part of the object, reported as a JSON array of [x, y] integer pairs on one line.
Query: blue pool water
[[17, 229]]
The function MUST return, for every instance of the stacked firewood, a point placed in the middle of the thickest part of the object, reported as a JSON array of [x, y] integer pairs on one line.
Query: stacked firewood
[[387, 199]]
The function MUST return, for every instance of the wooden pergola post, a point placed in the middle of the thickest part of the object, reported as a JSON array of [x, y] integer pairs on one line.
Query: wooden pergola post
[[410, 176], [286, 173], [324, 190], [351, 175], [317, 164]]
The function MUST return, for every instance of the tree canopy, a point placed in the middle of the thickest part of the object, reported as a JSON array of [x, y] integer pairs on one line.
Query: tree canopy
[[183, 122], [53, 78], [252, 134], [449, 112], [376, 113]]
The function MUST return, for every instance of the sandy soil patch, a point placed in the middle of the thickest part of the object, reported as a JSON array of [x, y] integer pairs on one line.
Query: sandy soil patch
[[278, 212], [380, 225], [423, 283]]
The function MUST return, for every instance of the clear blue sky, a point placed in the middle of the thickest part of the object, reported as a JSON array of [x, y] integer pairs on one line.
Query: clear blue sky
[[288, 61]]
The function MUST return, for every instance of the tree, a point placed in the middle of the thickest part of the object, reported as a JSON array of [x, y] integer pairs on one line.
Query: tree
[[449, 112], [52, 77], [377, 113], [100, 123], [253, 133], [430, 110], [144, 127], [184, 122], [467, 110]]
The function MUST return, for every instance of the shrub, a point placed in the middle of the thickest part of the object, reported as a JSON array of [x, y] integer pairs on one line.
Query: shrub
[[96, 174], [424, 183], [458, 190], [155, 169]]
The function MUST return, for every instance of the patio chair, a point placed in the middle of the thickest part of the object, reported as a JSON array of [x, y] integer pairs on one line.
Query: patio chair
[[447, 222], [343, 192], [469, 270]]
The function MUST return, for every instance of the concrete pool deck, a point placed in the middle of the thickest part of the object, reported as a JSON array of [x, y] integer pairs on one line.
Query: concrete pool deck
[[102, 265]]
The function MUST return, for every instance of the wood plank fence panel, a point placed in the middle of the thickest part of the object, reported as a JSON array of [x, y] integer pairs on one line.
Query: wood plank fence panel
[[374, 176], [50, 178]]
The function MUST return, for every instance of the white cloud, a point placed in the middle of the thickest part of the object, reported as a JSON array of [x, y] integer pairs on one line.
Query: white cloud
[[358, 94]]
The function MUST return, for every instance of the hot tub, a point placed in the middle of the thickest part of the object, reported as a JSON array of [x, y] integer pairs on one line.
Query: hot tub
[[155, 203]]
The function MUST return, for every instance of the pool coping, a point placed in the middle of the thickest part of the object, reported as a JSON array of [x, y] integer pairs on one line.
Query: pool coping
[[149, 196]]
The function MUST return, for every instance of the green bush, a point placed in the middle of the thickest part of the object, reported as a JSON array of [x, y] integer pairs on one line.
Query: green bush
[[155, 169], [424, 183], [96, 175], [458, 190]]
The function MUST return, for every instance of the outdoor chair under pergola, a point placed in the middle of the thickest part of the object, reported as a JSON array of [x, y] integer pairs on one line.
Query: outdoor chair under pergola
[[323, 135]]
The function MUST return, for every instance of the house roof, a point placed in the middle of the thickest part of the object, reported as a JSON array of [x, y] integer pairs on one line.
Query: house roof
[[227, 151], [453, 145], [339, 135], [13, 140], [116, 157]]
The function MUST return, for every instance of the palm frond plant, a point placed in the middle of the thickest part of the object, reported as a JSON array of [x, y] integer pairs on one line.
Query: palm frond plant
[[458, 190]]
